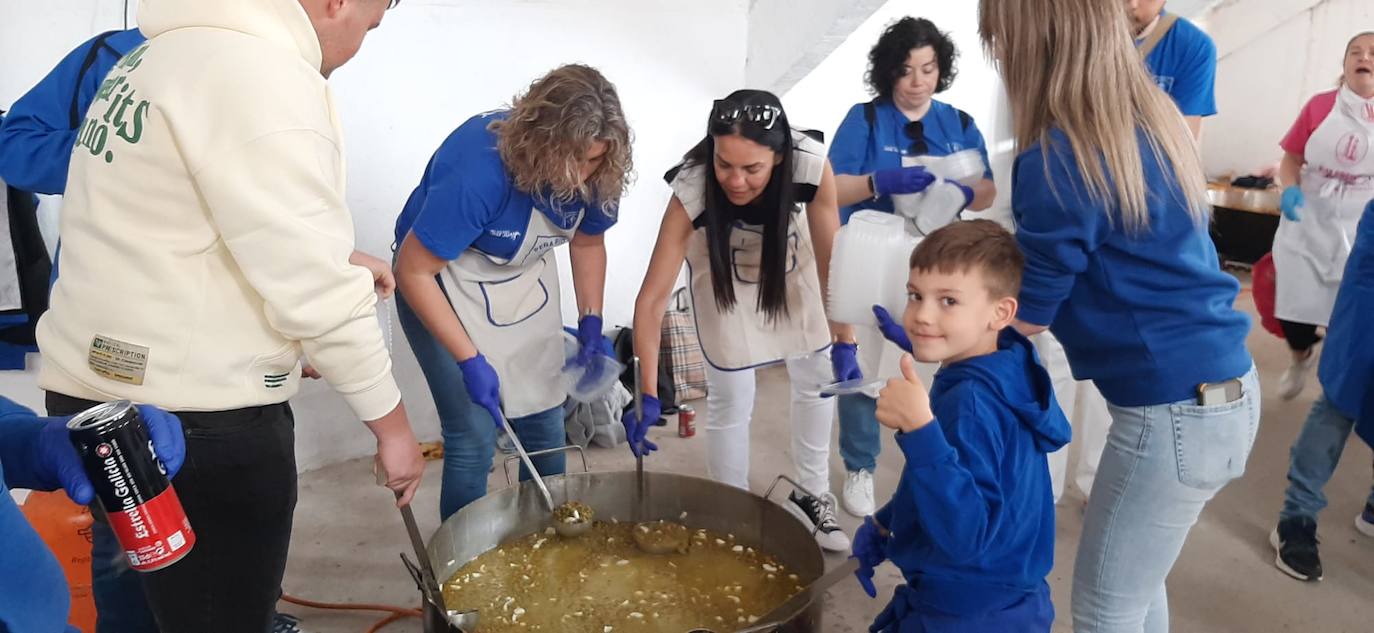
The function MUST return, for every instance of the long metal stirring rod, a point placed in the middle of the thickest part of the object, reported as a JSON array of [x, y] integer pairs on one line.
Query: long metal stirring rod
[[639, 452]]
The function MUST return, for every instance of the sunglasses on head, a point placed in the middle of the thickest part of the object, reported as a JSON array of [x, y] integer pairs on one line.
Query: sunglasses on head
[[916, 131], [728, 113]]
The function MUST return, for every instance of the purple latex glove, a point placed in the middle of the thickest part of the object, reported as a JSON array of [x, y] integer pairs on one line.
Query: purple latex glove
[[60, 465], [843, 359], [483, 385], [892, 330], [901, 180], [870, 549], [636, 429]]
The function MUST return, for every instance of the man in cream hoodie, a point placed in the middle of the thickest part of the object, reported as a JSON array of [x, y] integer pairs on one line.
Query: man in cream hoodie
[[206, 246]]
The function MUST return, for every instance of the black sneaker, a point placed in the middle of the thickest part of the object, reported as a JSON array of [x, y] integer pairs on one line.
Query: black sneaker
[[820, 512], [283, 623], [1295, 540]]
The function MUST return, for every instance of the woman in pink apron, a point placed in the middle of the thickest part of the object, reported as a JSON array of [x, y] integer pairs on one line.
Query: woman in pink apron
[[1328, 170], [757, 267]]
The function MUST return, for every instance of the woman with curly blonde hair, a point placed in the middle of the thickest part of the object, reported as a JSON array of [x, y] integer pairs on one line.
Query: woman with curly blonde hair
[[478, 286]]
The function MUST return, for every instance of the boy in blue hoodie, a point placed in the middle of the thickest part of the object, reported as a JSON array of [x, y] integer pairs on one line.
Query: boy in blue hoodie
[[972, 522]]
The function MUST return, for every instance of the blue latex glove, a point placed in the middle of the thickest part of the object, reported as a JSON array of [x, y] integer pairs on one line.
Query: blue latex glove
[[870, 549], [892, 330], [635, 429], [484, 387], [901, 180], [1292, 200], [844, 361], [61, 465], [966, 190], [588, 339]]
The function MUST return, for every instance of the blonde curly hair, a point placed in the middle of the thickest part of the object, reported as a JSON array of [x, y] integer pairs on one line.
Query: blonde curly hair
[[551, 126]]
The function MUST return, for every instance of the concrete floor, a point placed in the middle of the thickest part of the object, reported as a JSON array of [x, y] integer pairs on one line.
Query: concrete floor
[[348, 535]]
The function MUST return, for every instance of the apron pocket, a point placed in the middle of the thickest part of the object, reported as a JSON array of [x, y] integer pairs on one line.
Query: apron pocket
[[745, 256], [512, 301]]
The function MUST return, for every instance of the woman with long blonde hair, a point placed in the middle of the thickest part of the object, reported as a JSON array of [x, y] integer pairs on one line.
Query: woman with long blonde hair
[[478, 285], [1108, 197]]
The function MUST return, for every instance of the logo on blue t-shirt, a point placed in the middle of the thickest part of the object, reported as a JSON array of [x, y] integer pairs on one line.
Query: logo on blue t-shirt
[[1165, 83], [506, 234]]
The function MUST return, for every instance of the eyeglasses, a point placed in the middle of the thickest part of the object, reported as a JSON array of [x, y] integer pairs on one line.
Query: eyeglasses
[[391, 4], [728, 113], [916, 131]]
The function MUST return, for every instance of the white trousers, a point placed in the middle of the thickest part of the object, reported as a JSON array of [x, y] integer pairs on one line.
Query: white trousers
[[1086, 410], [730, 408]]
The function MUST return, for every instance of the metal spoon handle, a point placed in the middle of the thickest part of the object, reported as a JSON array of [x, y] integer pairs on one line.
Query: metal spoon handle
[[639, 450], [529, 464], [428, 581]]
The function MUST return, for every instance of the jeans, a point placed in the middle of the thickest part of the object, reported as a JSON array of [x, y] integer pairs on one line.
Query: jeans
[[1162, 464], [469, 432], [1313, 458], [120, 605], [860, 438], [238, 488]]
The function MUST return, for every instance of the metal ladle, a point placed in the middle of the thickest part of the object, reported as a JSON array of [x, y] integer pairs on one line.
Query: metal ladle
[[566, 529], [454, 621]]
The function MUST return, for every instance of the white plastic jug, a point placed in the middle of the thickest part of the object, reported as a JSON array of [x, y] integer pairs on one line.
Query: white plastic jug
[[869, 266]]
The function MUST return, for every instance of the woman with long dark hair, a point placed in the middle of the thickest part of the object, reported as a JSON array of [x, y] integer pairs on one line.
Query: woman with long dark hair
[[758, 270]]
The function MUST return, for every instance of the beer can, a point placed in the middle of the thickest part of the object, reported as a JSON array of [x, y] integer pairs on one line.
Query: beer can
[[686, 421], [132, 485]]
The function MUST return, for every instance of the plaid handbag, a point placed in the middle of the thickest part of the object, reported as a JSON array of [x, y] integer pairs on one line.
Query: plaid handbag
[[680, 351]]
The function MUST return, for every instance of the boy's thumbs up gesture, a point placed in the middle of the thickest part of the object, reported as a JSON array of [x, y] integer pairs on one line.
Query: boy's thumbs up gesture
[[904, 404]]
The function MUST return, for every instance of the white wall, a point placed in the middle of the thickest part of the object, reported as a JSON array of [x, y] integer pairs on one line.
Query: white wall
[[821, 99], [430, 66], [788, 38], [1273, 56]]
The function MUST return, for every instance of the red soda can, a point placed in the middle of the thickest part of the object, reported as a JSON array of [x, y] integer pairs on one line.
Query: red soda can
[[132, 485], [686, 421]]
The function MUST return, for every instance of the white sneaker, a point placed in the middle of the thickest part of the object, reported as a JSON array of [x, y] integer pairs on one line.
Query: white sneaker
[[858, 493], [1294, 379], [819, 514]]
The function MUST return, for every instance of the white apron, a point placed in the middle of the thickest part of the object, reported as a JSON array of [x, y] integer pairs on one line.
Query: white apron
[[743, 338], [1337, 182], [511, 310]]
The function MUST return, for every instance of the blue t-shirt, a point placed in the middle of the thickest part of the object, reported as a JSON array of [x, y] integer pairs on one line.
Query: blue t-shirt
[[466, 199], [38, 133], [33, 591], [1147, 317], [1184, 64], [860, 149]]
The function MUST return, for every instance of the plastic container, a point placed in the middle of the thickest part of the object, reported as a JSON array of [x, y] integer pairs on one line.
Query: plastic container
[[589, 383], [868, 267], [66, 528], [941, 203]]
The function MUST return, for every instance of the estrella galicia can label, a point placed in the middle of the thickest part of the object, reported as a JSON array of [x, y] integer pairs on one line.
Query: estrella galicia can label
[[132, 485]]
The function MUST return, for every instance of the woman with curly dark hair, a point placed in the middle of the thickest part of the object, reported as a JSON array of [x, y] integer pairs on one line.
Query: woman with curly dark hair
[[478, 286], [912, 62]]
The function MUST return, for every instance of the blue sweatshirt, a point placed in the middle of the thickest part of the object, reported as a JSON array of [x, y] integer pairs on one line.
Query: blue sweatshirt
[[972, 520], [1347, 364], [34, 597], [1147, 317], [38, 134]]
